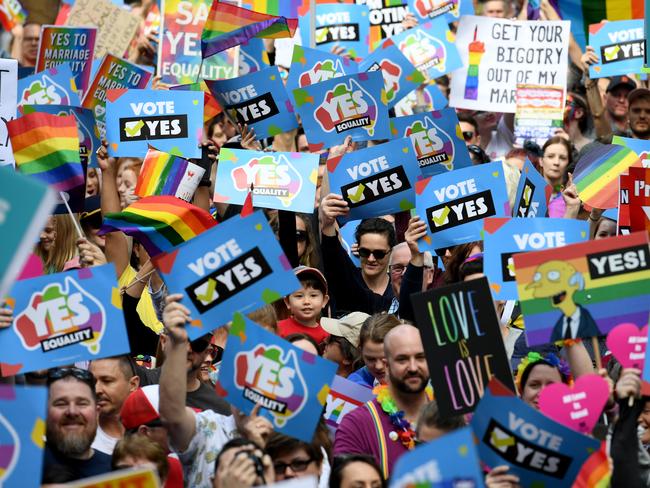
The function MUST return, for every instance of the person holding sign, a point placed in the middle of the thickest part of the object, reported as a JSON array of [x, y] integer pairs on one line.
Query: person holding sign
[[367, 289], [195, 437]]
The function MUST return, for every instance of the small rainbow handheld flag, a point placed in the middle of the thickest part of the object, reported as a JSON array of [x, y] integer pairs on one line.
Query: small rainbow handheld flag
[[596, 472], [159, 223], [228, 26], [46, 146], [166, 174], [12, 13]]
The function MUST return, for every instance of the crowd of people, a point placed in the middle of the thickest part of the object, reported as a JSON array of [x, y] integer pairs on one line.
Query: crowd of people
[[158, 407]]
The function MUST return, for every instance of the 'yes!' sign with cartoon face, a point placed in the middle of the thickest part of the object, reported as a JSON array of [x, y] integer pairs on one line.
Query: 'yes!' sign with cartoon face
[[170, 120], [290, 385]]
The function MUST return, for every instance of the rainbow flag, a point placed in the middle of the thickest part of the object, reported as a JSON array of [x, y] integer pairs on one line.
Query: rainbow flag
[[596, 174], [159, 223], [595, 473], [46, 146], [12, 14], [583, 13], [228, 26], [166, 174], [285, 8]]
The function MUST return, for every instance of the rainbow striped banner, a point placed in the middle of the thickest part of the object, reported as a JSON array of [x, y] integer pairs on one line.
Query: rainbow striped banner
[[46, 146], [596, 174], [284, 8], [166, 174], [159, 223], [583, 13], [228, 26]]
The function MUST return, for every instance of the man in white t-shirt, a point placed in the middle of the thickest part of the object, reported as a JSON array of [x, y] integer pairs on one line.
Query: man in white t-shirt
[[115, 378], [197, 438]]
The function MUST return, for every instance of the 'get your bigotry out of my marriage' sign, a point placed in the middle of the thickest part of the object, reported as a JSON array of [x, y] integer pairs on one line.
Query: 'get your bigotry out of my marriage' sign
[[497, 54]]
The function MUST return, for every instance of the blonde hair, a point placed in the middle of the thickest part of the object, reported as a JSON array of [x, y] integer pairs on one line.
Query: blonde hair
[[65, 245]]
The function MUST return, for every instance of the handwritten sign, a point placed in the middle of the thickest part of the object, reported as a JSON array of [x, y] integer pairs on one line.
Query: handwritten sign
[[8, 101], [498, 53], [461, 330], [539, 113], [116, 26]]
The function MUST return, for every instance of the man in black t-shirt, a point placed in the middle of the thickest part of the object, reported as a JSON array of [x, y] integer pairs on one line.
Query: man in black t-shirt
[[71, 426]]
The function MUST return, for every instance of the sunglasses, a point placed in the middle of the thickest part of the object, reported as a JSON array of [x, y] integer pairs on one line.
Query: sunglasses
[[297, 466], [467, 135], [301, 235], [377, 253], [78, 373]]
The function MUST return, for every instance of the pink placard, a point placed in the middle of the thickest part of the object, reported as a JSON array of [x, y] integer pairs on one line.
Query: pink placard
[[578, 407], [628, 344]]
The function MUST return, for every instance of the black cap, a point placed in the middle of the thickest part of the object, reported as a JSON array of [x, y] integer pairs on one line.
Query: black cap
[[92, 214], [616, 81]]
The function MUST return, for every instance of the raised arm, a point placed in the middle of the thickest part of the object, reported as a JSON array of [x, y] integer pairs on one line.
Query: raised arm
[[179, 420]]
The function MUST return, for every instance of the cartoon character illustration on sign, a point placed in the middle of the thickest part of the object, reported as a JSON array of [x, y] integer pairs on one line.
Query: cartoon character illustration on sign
[[9, 449], [476, 52], [321, 71], [559, 281], [346, 108], [271, 377], [432, 144], [271, 176], [424, 51], [391, 73], [45, 92], [61, 315]]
